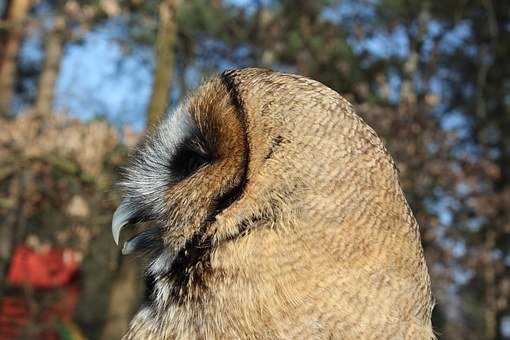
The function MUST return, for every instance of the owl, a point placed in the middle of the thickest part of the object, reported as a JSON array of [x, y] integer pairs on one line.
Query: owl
[[277, 214]]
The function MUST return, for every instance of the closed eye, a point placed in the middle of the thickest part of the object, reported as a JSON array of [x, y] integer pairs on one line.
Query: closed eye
[[187, 161]]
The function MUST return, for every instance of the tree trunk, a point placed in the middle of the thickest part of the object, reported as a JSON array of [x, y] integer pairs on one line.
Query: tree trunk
[[165, 42], [490, 313], [123, 299], [125, 290], [14, 225], [10, 41], [53, 54]]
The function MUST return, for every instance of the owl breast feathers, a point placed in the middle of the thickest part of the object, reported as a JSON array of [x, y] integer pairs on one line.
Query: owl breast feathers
[[277, 214]]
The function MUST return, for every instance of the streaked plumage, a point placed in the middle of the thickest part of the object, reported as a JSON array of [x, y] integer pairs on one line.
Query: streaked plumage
[[278, 214]]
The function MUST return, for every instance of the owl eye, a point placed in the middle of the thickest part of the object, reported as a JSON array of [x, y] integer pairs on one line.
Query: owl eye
[[187, 161]]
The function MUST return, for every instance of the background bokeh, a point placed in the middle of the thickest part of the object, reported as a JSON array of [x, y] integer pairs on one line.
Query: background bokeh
[[80, 81]]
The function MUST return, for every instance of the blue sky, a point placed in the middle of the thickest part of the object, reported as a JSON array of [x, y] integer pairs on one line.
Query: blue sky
[[100, 77]]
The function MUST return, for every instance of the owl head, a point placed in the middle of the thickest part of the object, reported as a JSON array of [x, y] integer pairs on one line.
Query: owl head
[[243, 148], [186, 172]]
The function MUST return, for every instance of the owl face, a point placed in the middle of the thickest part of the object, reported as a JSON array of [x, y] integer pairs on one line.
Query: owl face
[[185, 173]]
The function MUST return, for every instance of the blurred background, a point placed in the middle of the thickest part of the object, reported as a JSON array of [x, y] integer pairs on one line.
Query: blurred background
[[80, 81]]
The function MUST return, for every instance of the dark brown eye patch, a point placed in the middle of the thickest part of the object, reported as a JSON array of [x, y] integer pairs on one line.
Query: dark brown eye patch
[[189, 157]]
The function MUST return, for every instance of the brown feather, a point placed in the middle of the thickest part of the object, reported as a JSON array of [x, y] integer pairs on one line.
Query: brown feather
[[313, 237]]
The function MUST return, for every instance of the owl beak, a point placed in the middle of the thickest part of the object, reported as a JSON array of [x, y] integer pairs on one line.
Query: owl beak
[[144, 240], [124, 215], [121, 218]]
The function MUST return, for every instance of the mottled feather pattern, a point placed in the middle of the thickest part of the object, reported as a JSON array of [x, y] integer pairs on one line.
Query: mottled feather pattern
[[293, 225]]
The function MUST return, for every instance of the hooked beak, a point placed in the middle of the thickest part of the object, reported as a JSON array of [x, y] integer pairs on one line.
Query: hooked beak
[[121, 218], [124, 215]]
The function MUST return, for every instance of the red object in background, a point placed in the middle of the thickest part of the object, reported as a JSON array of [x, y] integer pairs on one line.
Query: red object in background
[[49, 273], [46, 269]]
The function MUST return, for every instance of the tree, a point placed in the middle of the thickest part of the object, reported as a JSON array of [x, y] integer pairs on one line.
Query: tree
[[53, 48], [13, 21], [165, 58], [479, 91]]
